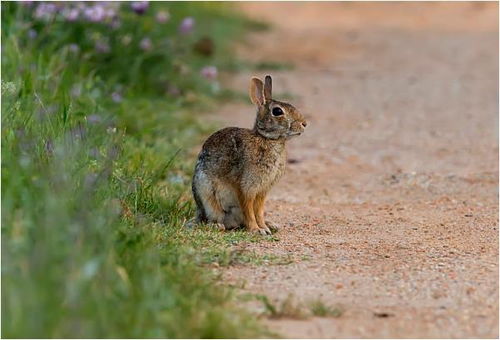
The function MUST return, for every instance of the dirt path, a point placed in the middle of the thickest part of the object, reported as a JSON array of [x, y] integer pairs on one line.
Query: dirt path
[[390, 203]]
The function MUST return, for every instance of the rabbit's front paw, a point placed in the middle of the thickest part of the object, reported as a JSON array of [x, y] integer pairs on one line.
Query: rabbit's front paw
[[265, 231], [262, 231]]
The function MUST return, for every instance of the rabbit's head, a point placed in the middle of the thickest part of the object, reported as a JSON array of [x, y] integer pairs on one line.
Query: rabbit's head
[[275, 119]]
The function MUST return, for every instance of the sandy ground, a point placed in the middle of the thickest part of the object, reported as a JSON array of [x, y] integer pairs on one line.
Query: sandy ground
[[390, 201]]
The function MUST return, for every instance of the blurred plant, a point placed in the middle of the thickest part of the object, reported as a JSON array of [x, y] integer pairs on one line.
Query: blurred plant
[[204, 46], [94, 193]]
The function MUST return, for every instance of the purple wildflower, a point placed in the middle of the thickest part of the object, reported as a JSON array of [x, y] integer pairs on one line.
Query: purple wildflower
[[74, 48], [209, 72], [95, 13], [186, 25], [26, 3], [81, 5], [90, 181], [32, 34], [162, 17], [78, 132], [115, 23], [49, 146], [139, 7], [94, 153], [146, 44], [45, 11], [173, 91], [94, 119], [71, 14], [76, 90], [110, 13], [117, 97], [102, 46]]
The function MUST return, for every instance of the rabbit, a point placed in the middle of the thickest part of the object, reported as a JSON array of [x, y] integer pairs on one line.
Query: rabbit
[[237, 167]]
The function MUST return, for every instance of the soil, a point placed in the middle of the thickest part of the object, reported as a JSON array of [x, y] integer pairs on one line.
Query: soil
[[389, 206]]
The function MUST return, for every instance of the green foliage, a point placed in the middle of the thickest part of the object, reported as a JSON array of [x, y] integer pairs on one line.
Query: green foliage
[[95, 190]]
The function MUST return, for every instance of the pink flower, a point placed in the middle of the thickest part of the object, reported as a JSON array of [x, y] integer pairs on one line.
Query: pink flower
[[74, 48], [45, 11], [102, 46], [162, 17], [95, 13], [186, 25], [173, 91], [32, 34], [116, 97], [94, 119], [209, 72], [146, 44], [115, 23], [110, 13], [139, 7], [71, 14], [27, 3]]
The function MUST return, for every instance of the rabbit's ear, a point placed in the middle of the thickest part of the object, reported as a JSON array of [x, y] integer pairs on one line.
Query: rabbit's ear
[[257, 91], [268, 88]]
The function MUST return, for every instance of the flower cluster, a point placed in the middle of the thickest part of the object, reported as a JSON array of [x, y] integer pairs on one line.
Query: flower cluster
[[139, 7], [98, 12], [107, 29], [73, 11]]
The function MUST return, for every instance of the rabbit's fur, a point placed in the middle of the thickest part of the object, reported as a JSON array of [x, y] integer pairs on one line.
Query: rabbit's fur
[[237, 167]]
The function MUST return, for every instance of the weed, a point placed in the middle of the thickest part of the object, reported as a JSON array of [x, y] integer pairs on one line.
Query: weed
[[287, 308], [273, 66], [319, 308]]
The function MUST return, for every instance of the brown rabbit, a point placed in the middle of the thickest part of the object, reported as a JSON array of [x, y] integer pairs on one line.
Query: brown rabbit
[[237, 167]]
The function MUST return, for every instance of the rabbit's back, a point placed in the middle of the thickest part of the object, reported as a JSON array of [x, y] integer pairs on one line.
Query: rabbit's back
[[240, 156]]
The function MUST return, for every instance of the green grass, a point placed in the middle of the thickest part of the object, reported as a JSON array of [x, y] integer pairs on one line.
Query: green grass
[[320, 308], [228, 248], [273, 66], [290, 308], [287, 308], [95, 192]]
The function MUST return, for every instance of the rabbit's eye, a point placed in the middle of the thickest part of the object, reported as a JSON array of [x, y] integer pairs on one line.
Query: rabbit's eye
[[277, 112]]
